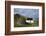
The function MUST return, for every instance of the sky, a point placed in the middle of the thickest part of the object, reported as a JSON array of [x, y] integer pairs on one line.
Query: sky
[[31, 13]]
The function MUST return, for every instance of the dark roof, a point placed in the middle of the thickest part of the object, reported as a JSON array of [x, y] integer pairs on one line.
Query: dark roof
[[29, 18]]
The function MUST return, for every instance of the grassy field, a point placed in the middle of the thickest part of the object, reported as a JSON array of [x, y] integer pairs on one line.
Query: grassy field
[[21, 19], [27, 25]]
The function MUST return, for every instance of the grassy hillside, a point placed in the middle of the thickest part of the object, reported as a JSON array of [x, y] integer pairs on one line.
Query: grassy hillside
[[20, 21]]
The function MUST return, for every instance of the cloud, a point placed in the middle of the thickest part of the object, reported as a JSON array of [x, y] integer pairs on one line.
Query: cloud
[[32, 13]]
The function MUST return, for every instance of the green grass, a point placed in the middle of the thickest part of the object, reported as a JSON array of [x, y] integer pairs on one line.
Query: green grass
[[26, 25], [36, 23], [21, 19], [23, 25]]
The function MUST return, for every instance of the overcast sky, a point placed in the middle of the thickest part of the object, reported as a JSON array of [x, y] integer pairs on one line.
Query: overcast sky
[[32, 13]]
